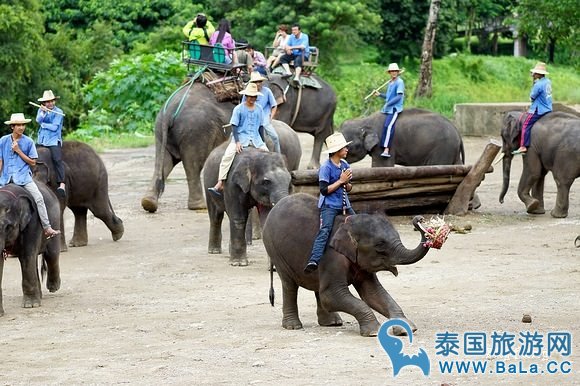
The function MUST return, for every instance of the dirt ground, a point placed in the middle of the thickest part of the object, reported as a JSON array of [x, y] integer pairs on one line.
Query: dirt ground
[[155, 308]]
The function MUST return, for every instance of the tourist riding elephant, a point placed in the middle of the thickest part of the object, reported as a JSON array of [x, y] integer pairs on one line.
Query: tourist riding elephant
[[87, 188], [188, 127], [256, 178], [421, 138], [21, 235], [306, 110], [360, 246], [555, 147]]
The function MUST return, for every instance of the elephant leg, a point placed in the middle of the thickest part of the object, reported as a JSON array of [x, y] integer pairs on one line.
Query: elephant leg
[[249, 229], [290, 319], [193, 168], [326, 318], [30, 281], [562, 197], [62, 238], [377, 297], [150, 202], [256, 225], [1, 275], [538, 192], [51, 258], [80, 237], [103, 210], [316, 150], [530, 176], [216, 217], [238, 255], [337, 298]]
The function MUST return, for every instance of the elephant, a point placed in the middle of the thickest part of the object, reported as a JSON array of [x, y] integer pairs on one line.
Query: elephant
[[191, 124], [256, 178], [21, 234], [360, 246], [421, 138], [555, 147], [87, 185], [306, 110]]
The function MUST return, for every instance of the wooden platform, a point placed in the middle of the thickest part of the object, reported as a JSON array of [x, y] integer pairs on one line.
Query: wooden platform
[[409, 189]]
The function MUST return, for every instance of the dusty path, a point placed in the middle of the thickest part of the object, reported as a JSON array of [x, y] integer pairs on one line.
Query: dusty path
[[155, 308]]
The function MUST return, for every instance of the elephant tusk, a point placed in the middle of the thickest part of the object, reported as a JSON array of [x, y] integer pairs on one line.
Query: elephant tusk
[[499, 158]]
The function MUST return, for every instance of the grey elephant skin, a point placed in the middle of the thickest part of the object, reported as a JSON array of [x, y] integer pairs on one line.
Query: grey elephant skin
[[87, 188], [421, 138], [21, 235], [256, 179], [555, 147], [187, 129], [359, 247], [315, 111]]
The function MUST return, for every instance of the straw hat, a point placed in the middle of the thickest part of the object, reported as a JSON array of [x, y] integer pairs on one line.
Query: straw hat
[[539, 69], [17, 118], [47, 96], [255, 76], [393, 67], [335, 142], [251, 90]]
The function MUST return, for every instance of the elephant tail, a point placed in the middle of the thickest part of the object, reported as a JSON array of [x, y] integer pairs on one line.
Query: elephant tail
[[43, 269], [271, 294]]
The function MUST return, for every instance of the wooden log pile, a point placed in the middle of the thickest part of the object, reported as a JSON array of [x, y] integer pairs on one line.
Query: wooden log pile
[[410, 189], [394, 190]]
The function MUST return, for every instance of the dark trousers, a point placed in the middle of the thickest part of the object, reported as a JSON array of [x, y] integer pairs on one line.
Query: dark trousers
[[327, 216], [56, 155], [527, 128]]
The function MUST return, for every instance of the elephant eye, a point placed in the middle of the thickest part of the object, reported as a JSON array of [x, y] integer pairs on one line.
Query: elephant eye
[[266, 182], [381, 246]]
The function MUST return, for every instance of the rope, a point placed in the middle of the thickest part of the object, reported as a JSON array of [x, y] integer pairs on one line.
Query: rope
[[189, 84]]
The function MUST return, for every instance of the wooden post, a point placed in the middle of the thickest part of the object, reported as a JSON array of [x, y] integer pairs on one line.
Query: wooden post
[[459, 203]]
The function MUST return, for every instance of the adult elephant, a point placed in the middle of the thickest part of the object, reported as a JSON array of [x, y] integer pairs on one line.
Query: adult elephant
[[188, 127], [555, 147], [306, 110], [421, 138], [360, 246], [21, 234], [256, 179], [87, 184]]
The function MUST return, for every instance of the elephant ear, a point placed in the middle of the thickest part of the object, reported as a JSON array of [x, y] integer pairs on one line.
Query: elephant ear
[[242, 176], [370, 138], [344, 242], [27, 210], [511, 130]]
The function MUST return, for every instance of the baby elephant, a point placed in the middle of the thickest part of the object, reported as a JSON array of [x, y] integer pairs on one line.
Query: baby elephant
[[360, 246]]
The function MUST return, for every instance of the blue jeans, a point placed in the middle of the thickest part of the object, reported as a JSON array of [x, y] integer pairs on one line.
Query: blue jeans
[[327, 216]]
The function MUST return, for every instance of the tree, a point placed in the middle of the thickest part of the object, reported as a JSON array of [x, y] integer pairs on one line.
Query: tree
[[551, 22], [424, 85]]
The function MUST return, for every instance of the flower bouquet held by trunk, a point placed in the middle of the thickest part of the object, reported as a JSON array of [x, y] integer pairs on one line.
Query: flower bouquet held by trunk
[[436, 232]]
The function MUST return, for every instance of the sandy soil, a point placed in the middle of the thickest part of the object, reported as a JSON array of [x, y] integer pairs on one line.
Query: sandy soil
[[155, 308]]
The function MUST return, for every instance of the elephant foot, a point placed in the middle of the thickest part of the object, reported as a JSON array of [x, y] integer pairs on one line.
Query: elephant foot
[[53, 285], [558, 213], [400, 331], [117, 235], [196, 204], [214, 250], [30, 302], [292, 324], [329, 319], [534, 207], [149, 203], [370, 328], [239, 263], [1, 311], [77, 243]]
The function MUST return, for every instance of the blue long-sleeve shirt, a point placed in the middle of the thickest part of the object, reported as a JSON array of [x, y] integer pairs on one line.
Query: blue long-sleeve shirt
[[50, 132], [541, 96]]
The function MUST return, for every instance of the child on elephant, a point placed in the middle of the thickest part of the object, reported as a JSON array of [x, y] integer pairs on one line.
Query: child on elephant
[[394, 98], [17, 155], [246, 120], [334, 180], [268, 104]]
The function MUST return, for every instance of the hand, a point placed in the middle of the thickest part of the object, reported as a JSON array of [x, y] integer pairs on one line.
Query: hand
[[15, 147], [345, 176], [376, 93], [239, 147]]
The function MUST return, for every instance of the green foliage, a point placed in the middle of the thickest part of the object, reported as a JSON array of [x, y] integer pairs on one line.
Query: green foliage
[[128, 96]]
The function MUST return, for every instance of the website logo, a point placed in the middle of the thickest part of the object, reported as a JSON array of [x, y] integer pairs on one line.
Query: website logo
[[393, 346]]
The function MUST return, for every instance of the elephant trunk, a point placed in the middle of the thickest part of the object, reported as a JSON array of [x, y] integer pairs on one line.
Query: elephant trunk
[[507, 165], [410, 256], [277, 195]]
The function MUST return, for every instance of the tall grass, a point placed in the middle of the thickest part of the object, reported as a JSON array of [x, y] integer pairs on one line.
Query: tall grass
[[456, 79]]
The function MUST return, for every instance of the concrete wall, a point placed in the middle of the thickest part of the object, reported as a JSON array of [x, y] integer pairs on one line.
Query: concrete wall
[[485, 119]]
